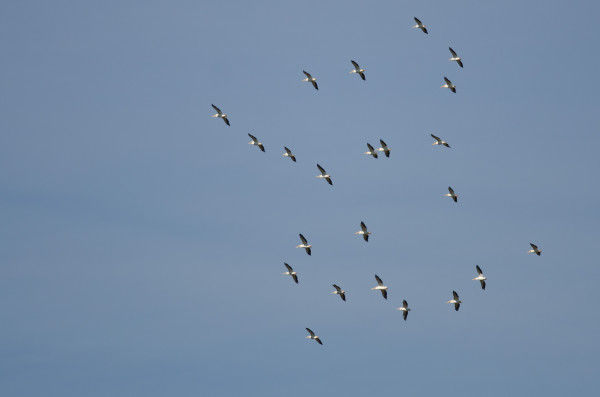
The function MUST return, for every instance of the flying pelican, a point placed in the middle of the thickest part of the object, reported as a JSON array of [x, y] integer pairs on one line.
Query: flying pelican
[[339, 292], [535, 249], [291, 272], [380, 287], [455, 301], [449, 85], [420, 25], [438, 141], [288, 153], [220, 114], [304, 244], [324, 175], [256, 142], [405, 309], [364, 231], [311, 79], [480, 277], [455, 57], [384, 148], [357, 69], [313, 336], [452, 194], [371, 151]]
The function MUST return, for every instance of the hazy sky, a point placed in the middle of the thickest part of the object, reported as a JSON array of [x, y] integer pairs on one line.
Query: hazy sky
[[142, 241]]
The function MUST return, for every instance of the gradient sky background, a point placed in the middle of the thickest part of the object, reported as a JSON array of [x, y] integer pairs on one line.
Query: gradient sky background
[[143, 241]]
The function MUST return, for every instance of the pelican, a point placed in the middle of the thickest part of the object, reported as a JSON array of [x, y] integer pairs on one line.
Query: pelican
[[535, 249], [455, 57], [357, 69], [324, 175], [256, 142], [452, 194], [364, 231], [313, 336], [371, 151], [480, 277], [304, 244], [291, 272], [384, 148], [380, 287], [438, 141], [339, 292], [220, 114], [288, 153], [449, 85], [311, 79], [420, 25], [405, 309], [455, 301]]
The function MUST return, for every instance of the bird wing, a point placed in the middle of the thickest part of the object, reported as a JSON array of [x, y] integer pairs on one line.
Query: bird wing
[[307, 74], [453, 53], [363, 227], [366, 237], [370, 148], [378, 280], [314, 83], [383, 145], [479, 270], [448, 81], [321, 169], [455, 295], [482, 284], [343, 296], [355, 65], [451, 190], [384, 293], [295, 277], [405, 314], [456, 306], [319, 340], [436, 138], [253, 138], [226, 121], [362, 75], [329, 181], [217, 109], [424, 30], [337, 288], [533, 246], [288, 151], [289, 267], [460, 63], [303, 239], [261, 146], [417, 21], [308, 251], [405, 304], [310, 332]]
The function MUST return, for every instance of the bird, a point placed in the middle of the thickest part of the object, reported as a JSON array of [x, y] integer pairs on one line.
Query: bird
[[304, 244], [449, 85], [291, 272], [455, 57], [256, 142], [313, 336], [405, 309], [535, 249], [288, 153], [480, 277], [358, 69], [438, 141], [339, 292], [380, 287], [311, 79], [364, 231], [220, 114], [384, 148], [455, 301], [452, 194], [371, 151], [324, 175], [420, 25]]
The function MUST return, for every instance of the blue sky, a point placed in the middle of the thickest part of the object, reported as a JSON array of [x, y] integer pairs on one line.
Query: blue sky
[[143, 241]]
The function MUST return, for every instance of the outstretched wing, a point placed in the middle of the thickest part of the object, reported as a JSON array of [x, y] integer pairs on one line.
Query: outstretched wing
[[452, 52], [321, 169], [217, 109], [226, 121], [478, 270], [307, 74], [378, 280], [405, 304], [295, 277], [405, 314], [289, 268], [310, 332], [338, 289], [253, 138], [384, 293], [455, 295], [417, 21], [448, 81], [314, 83], [436, 138], [303, 239], [482, 284], [355, 65], [383, 145], [451, 190], [363, 227], [370, 148]]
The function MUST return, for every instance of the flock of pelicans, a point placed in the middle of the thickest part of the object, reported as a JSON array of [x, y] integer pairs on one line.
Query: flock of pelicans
[[374, 153]]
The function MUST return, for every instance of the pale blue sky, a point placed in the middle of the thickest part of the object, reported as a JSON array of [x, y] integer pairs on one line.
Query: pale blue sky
[[143, 241]]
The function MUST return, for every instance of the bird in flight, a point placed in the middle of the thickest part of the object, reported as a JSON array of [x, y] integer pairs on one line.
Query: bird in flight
[[420, 26], [220, 114], [324, 174], [455, 301], [256, 142], [535, 249], [313, 336], [480, 277], [311, 79], [404, 308], [304, 244], [357, 69], [364, 231], [380, 287], [384, 148], [438, 141], [339, 292], [291, 272], [452, 194], [288, 153], [449, 85], [371, 151], [455, 57]]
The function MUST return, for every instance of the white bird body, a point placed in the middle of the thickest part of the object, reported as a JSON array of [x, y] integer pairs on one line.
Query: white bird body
[[449, 85], [220, 114], [480, 277], [384, 148], [380, 287], [358, 69], [363, 232], [310, 79], [404, 308], [455, 301]]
